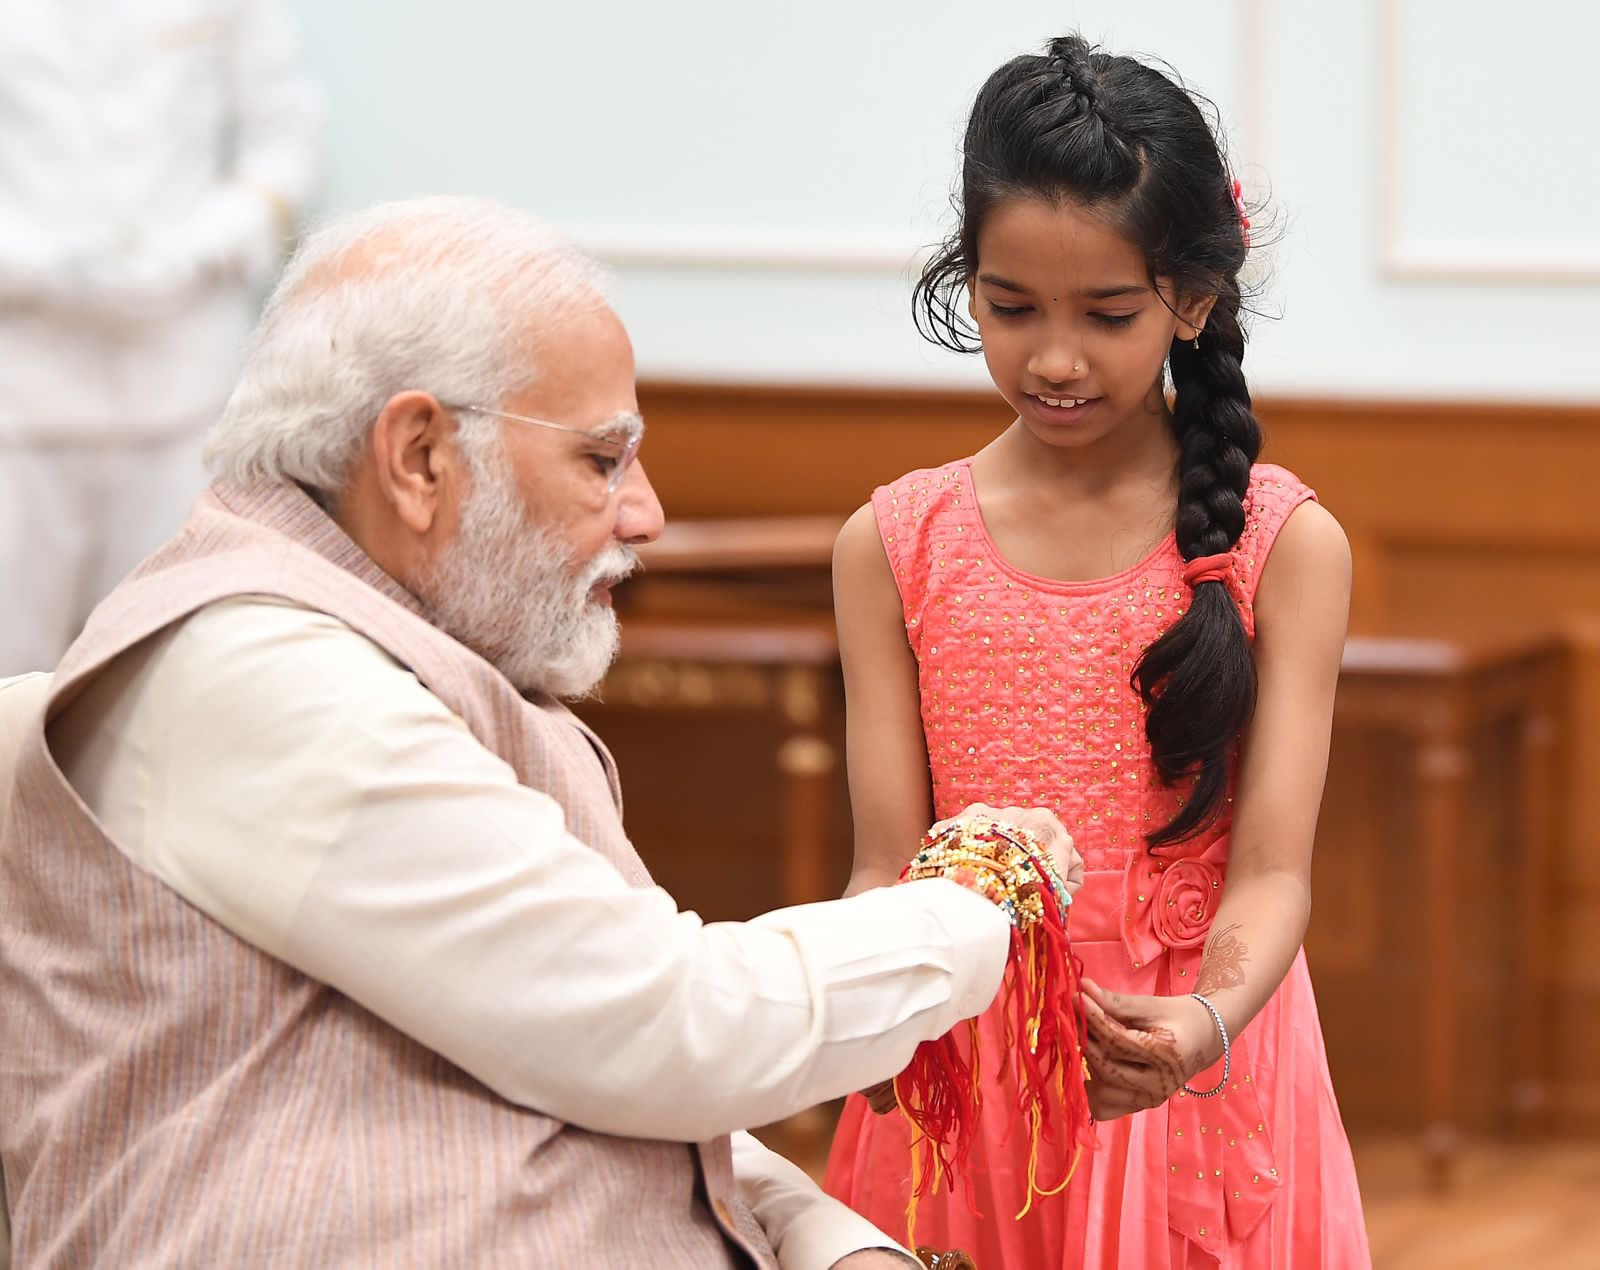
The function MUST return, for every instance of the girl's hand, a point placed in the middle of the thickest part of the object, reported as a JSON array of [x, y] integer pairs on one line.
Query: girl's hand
[[1042, 824], [1141, 1049], [1052, 836]]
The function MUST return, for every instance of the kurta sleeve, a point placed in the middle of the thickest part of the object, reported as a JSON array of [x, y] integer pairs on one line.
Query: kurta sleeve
[[290, 779]]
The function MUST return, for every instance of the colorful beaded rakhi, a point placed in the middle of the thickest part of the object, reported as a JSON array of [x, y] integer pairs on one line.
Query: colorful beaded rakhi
[[939, 1092]]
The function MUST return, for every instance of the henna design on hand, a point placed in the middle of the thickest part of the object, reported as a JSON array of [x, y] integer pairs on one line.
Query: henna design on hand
[[1223, 964], [1133, 1067]]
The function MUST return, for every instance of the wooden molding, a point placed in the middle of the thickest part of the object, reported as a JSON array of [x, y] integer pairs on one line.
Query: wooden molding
[[1501, 259]]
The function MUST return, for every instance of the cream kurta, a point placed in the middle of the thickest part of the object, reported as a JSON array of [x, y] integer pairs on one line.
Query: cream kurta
[[295, 783]]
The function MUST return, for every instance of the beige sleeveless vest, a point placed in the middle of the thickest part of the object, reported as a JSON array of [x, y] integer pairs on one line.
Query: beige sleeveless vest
[[171, 1096]]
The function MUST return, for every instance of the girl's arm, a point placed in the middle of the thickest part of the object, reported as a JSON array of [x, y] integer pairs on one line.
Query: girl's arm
[[891, 799], [1149, 1046]]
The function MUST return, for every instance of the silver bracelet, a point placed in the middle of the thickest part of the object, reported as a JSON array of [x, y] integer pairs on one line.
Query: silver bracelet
[[1227, 1053]]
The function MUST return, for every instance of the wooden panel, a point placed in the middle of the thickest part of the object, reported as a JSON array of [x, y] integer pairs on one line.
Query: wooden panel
[[760, 451], [702, 801], [1365, 946], [1461, 516], [1348, 937]]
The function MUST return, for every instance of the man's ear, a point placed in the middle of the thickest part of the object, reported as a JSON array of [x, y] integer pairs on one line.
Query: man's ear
[[416, 462]]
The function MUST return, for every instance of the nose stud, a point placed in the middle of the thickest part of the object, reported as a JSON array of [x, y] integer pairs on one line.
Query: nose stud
[[1077, 368]]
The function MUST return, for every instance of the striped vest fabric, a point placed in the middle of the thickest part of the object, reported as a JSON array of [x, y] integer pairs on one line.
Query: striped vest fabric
[[170, 1095]]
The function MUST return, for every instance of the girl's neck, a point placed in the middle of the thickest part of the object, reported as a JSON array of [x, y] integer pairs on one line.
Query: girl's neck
[[1082, 512]]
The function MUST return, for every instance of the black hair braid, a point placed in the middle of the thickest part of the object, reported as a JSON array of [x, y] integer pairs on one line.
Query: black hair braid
[[1199, 678]]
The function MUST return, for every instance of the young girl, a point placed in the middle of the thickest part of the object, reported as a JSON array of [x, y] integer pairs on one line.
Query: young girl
[[1112, 611]]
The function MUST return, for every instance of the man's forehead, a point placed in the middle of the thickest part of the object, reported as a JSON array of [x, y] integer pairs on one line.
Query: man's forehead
[[582, 362]]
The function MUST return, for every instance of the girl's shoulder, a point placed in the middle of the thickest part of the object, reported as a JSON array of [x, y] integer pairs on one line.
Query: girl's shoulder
[[1273, 487], [926, 486], [920, 516], [1273, 494], [918, 503]]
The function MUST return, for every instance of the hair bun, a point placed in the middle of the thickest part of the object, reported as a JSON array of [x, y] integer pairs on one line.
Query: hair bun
[[1072, 50], [1069, 56]]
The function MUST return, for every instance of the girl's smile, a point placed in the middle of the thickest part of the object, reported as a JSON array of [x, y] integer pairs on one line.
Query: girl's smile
[[1059, 411]]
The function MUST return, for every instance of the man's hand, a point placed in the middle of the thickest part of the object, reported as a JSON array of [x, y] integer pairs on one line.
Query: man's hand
[[1043, 825], [874, 1259], [1052, 836]]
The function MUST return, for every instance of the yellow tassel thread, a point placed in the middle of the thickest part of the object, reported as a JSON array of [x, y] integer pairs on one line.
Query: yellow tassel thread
[[916, 1187]]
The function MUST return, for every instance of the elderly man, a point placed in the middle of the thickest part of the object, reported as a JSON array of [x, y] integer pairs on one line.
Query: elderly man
[[321, 942]]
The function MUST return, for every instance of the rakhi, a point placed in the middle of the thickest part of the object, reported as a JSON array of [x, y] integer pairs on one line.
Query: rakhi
[[939, 1091]]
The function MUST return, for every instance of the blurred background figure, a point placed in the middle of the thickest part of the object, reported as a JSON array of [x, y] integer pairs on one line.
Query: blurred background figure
[[153, 157]]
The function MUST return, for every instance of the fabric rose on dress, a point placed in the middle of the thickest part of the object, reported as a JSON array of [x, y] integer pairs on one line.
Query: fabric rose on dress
[[1184, 903]]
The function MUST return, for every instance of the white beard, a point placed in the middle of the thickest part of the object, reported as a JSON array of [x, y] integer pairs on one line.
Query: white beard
[[505, 588]]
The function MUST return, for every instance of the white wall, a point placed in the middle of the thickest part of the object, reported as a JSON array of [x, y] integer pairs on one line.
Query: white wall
[[761, 175]]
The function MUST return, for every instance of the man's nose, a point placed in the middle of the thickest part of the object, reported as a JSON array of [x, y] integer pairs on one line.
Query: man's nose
[[639, 514]]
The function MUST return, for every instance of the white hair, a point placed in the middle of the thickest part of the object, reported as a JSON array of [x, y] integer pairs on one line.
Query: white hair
[[440, 295]]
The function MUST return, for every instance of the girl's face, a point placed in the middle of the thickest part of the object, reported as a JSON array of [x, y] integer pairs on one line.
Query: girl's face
[[1074, 329]]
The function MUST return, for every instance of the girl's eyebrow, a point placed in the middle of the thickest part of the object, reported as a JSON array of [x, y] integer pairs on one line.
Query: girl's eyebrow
[[1005, 284], [1097, 293], [1111, 293]]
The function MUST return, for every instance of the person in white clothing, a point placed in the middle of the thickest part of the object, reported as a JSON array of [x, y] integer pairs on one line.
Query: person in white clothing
[[153, 158], [436, 432]]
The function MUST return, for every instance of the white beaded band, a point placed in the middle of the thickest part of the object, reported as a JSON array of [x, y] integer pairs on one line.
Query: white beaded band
[[1227, 1053]]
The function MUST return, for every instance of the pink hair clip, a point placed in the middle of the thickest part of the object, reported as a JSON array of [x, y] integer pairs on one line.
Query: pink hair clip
[[1244, 215]]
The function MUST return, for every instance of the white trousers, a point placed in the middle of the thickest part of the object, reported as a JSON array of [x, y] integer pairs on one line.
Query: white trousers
[[74, 520]]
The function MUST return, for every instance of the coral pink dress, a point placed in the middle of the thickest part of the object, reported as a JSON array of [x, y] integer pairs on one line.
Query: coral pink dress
[[1026, 701]]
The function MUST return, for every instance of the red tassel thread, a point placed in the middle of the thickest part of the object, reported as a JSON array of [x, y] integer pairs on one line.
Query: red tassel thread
[[939, 1092]]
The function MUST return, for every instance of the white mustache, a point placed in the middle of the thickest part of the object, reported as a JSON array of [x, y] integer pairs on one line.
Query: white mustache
[[616, 563]]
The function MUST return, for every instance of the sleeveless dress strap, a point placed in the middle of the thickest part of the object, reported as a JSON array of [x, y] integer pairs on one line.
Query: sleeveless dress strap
[[913, 514], [1274, 493]]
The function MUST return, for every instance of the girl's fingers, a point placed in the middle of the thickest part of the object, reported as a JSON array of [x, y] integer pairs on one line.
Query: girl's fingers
[[1110, 1104], [1118, 1040], [1111, 1070], [1133, 1013], [1104, 1023]]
